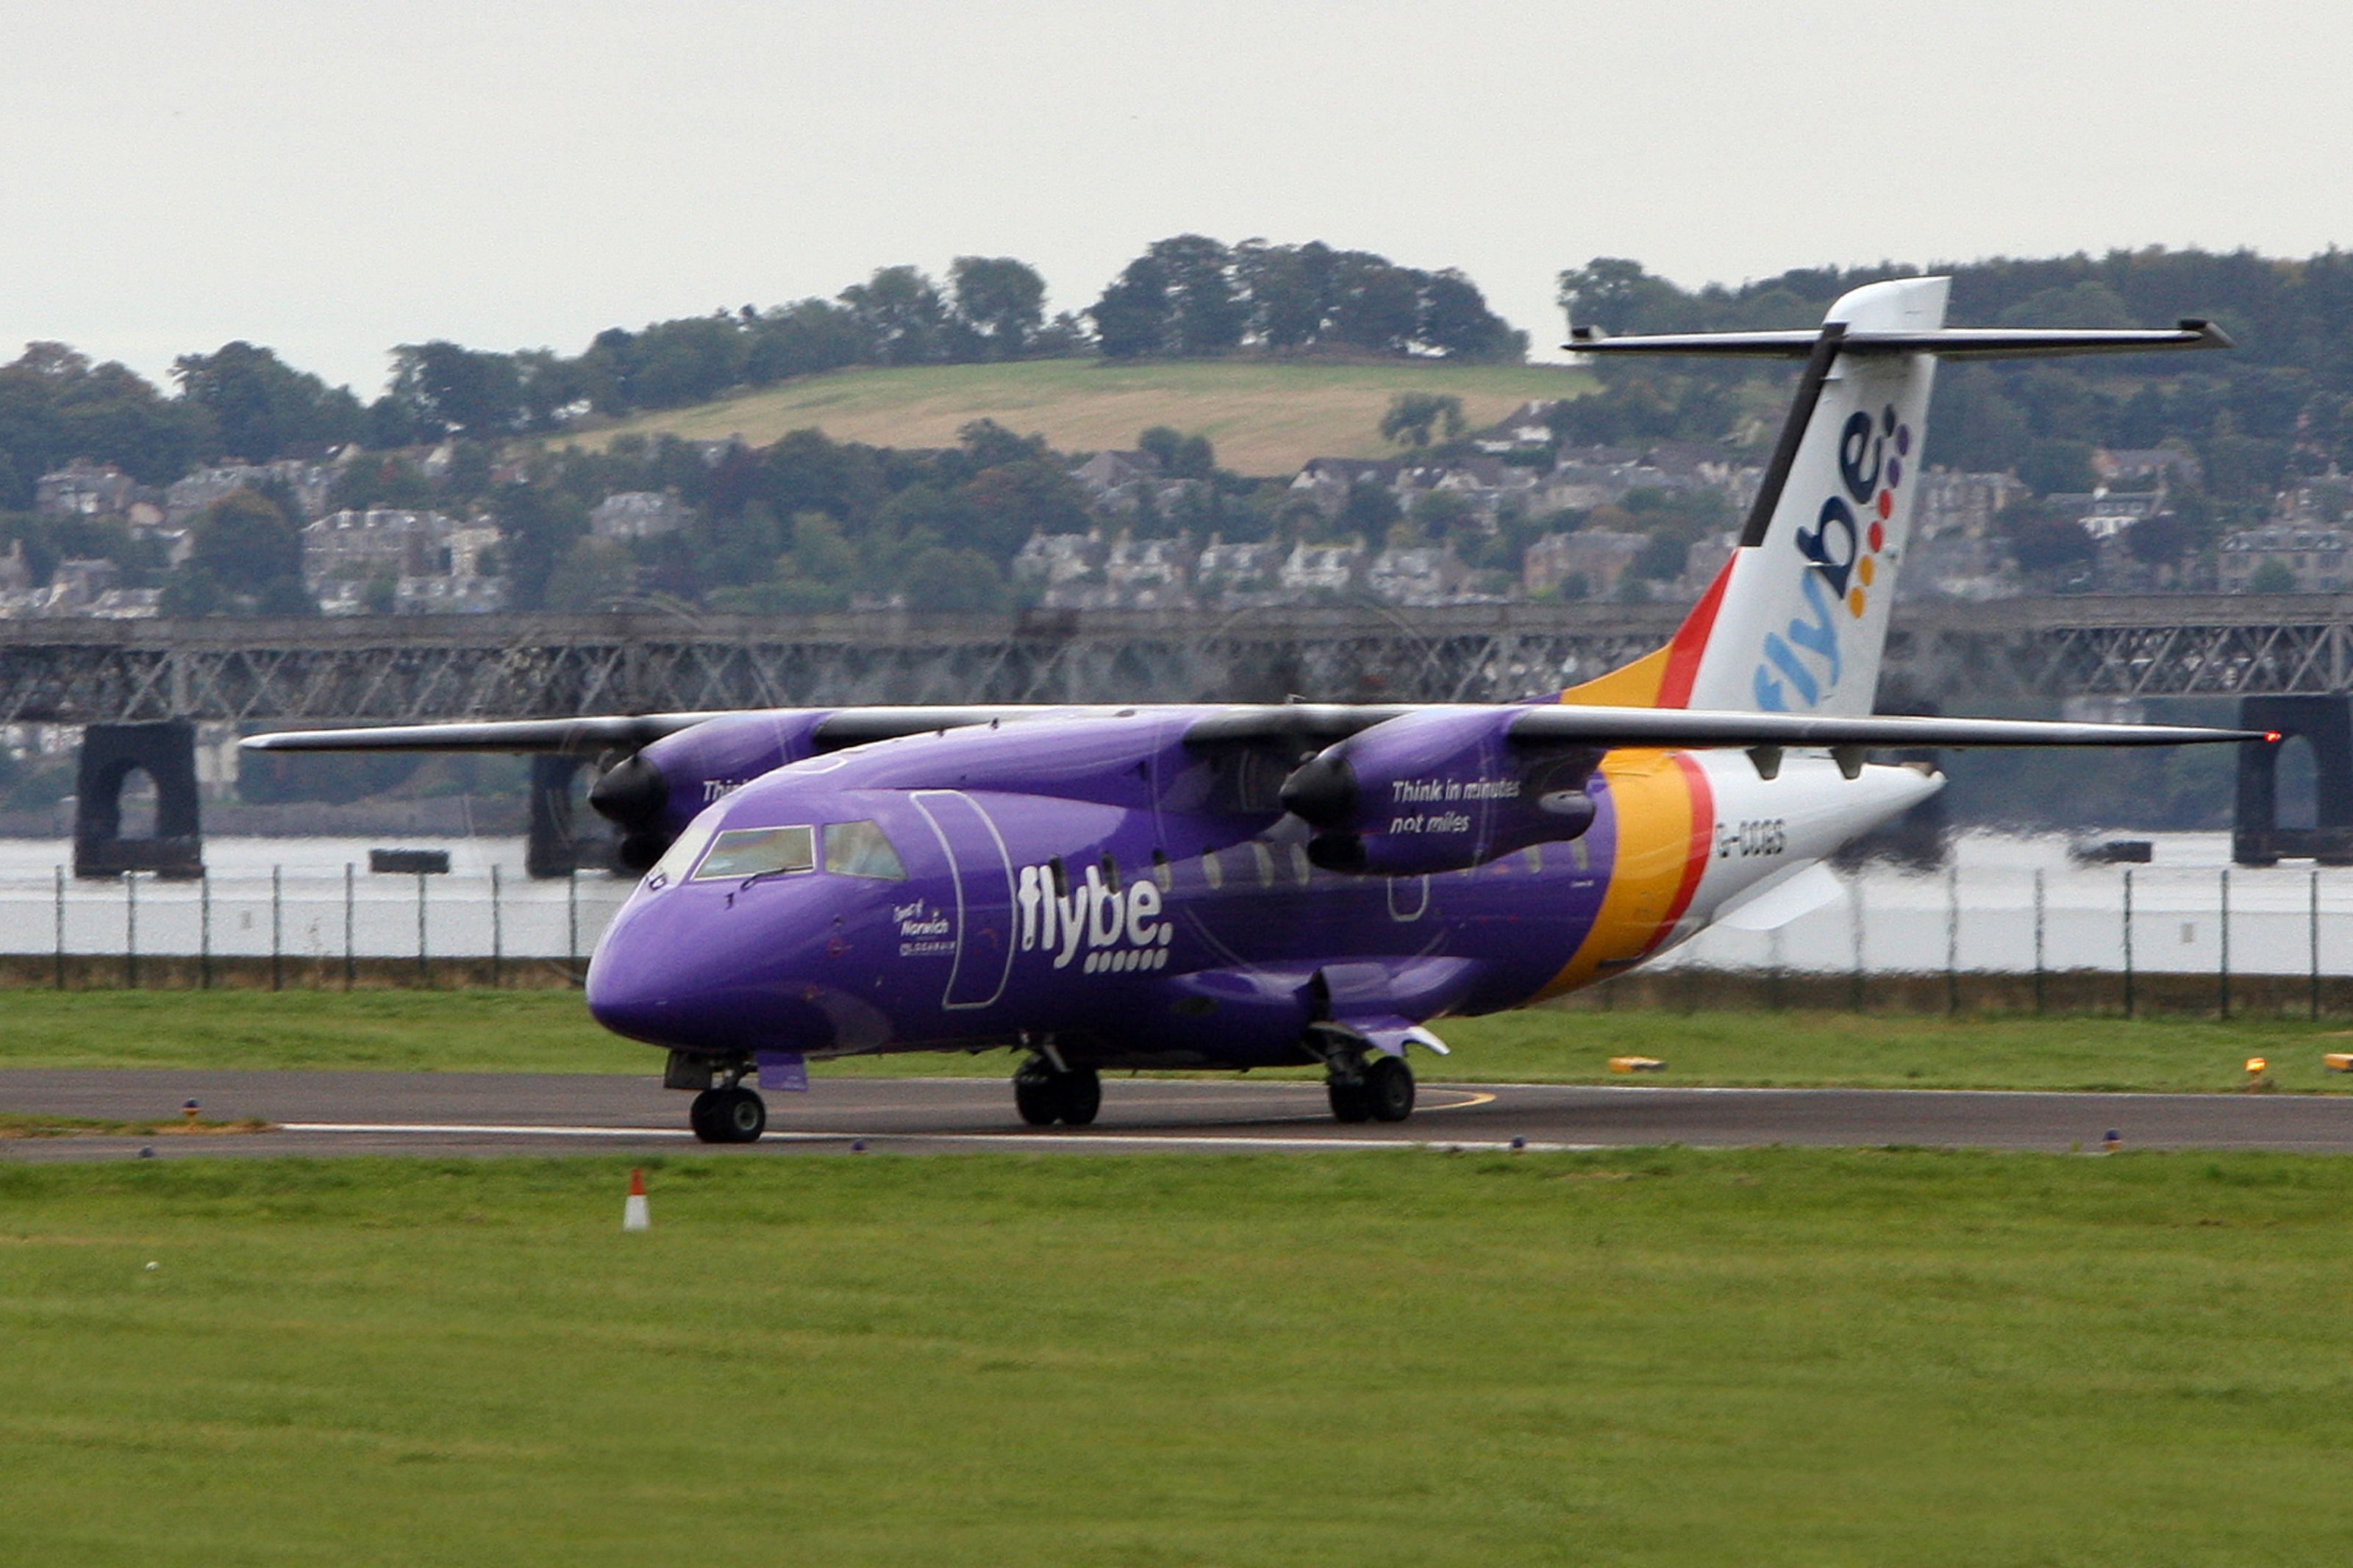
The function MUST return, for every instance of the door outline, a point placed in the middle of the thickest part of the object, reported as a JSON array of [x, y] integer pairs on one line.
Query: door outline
[[957, 869]]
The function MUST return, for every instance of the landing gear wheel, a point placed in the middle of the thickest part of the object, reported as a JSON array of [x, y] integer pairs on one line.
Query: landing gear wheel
[[1081, 1096], [742, 1116], [728, 1116], [1351, 1099], [1388, 1089], [1045, 1097], [1036, 1096]]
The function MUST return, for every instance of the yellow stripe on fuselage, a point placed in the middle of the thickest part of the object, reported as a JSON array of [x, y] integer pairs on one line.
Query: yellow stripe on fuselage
[[1661, 850]]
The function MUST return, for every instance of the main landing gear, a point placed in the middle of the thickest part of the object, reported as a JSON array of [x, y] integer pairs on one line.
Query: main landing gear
[[1380, 1090], [1045, 1094]]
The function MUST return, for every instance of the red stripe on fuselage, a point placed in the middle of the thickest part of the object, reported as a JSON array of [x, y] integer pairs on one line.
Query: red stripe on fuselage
[[1702, 841]]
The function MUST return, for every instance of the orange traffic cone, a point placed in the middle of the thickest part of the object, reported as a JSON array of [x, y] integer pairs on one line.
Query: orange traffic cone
[[634, 1215]]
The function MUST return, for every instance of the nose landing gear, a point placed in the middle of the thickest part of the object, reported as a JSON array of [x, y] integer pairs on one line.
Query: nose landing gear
[[1045, 1094], [731, 1115]]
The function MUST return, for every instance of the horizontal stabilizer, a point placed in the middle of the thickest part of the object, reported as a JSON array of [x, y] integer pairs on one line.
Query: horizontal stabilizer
[[1946, 342]]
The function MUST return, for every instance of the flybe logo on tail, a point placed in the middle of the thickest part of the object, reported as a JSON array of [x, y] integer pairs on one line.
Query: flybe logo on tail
[[1802, 664]]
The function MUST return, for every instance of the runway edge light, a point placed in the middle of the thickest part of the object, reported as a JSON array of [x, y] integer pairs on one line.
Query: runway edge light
[[2338, 1061], [1636, 1064], [635, 1215]]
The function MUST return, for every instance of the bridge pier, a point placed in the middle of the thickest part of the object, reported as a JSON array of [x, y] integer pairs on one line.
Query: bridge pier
[[110, 753], [2327, 725]]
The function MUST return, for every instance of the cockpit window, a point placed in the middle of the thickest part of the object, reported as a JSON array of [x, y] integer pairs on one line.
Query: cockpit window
[[680, 857], [860, 849], [758, 852]]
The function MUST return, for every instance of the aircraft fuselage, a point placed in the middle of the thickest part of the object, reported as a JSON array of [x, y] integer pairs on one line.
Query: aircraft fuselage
[[1094, 884]]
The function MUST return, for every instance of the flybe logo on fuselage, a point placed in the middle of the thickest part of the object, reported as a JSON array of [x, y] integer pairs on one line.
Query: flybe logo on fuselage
[[1803, 665], [1120, 929]]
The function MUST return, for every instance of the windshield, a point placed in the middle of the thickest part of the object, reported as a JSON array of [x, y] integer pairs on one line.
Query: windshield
[[684, 850], [860, 849], [758, 852]]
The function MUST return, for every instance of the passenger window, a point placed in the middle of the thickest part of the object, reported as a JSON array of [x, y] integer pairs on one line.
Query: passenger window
[[1265, 859], [860, 849], [1212, 872], [758, 852]]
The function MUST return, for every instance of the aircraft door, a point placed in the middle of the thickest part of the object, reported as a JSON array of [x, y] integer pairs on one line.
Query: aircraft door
[[983, 877]]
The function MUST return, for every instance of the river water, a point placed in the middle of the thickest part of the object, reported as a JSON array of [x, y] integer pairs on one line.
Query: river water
[[316, 898]]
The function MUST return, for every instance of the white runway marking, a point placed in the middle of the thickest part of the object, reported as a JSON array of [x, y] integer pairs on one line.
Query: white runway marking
[[1049, 1140]]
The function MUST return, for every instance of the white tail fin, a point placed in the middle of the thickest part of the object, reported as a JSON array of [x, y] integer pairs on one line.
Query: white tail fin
[[1803, 614], [1797, 620]]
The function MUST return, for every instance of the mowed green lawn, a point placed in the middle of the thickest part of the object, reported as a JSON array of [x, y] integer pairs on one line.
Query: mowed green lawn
[[1754, 1357], [550, 1031], [1264, 417]]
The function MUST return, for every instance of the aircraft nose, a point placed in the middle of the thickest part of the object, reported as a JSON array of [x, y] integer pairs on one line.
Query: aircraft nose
[[685, 970], [633, 987]]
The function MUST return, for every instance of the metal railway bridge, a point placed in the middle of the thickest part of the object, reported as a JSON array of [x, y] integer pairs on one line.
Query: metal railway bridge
[[414, 670]]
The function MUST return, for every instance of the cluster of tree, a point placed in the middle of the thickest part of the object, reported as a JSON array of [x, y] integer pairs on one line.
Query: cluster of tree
[[1184, 296], [239, 402], [1192, 296], [992, 308]]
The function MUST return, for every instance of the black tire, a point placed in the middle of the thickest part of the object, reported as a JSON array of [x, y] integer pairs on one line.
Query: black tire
[[741, 1116], [1036, 1095], [1388, 1089], [1081, 1095], [703, 1117], [1350, 1101]]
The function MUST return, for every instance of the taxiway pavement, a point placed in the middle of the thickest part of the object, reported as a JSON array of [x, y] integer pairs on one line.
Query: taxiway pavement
[[509, 1113]]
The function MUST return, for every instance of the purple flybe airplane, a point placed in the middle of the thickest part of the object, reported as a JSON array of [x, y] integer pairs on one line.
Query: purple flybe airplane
[[1229, 887]]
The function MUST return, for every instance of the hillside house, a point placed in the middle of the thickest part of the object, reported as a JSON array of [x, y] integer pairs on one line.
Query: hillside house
[[1420, 576], [1595, 560], [88, 490], [384, 541], [1148, 573], [308, 483], [1528, 426], [638, 514], [1058, 559], [1951, 502], [2317, 558], [1323, 568]]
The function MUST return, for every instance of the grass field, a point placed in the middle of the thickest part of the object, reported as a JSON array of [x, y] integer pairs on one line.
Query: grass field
[[550, 1031], [1759, 1357], [1264, 418]]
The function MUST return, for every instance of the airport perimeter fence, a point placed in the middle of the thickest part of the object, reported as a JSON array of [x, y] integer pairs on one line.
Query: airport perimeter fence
[[2130, 940], [303, 927]]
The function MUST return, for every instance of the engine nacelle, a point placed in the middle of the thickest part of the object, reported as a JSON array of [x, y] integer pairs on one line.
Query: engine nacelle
[[1437, 791], [652, 795]]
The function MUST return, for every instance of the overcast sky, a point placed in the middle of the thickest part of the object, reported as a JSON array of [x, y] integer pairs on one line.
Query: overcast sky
[[333, 179]]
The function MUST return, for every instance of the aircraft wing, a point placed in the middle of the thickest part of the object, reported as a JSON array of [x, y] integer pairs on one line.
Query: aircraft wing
[[1696, 728], [589, 736], [1305, 724]]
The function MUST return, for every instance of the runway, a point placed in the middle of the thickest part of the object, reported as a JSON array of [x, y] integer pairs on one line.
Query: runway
[[324, 1113]]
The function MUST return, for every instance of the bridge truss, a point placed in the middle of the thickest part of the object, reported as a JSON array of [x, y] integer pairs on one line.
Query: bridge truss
[[402, 670]]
